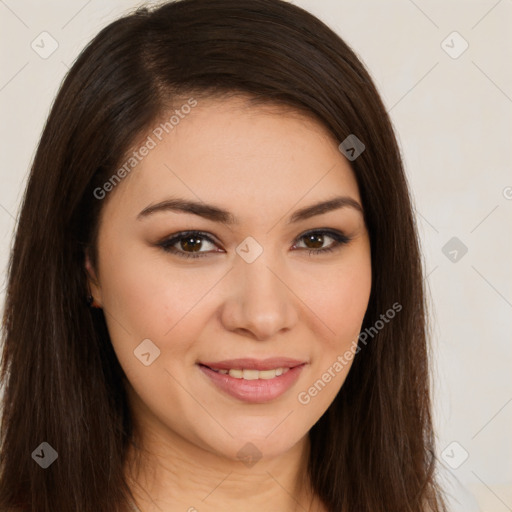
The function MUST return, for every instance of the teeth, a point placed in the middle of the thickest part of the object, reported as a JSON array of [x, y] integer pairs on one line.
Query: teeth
[[269, 374], [254, 374], [250, 374]]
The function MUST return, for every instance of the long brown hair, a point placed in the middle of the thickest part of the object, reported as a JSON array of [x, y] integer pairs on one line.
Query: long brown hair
[[373, 449]]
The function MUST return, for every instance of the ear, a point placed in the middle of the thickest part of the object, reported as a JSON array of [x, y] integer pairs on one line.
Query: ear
[[92, 281]]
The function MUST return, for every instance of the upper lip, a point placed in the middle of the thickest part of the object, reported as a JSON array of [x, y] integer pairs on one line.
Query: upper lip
[[254, 364]]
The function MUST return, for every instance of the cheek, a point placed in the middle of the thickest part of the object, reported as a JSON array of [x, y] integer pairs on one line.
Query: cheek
[[350, 295], [147, 294], [145, 299], [338, 297]]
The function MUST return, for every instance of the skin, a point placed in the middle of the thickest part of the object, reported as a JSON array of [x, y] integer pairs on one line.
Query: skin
[[261, 164]]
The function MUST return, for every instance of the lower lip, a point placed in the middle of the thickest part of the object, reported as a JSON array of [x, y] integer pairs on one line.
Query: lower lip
[[254, 391]]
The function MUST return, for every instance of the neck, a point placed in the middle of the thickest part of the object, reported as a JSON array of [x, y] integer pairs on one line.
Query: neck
[[168, 473]]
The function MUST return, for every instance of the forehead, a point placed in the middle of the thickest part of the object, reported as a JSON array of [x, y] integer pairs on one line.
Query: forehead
[[233, 153]]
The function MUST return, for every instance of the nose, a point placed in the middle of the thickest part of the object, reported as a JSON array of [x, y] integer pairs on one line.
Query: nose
[[260, 302]]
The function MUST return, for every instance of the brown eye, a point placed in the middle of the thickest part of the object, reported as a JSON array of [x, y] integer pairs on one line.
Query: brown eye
[[315, 240], [191, 243], [185, 244]]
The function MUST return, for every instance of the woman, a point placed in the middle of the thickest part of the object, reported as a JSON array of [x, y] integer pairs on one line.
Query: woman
[[215, 293]]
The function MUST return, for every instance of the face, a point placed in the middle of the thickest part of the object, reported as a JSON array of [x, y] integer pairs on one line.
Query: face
[[232, 303]]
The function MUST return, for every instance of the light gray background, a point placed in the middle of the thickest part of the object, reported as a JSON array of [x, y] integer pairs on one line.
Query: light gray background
[[453, 118]]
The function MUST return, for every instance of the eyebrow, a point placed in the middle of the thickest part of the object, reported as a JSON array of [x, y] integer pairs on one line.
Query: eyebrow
[[216, 214]]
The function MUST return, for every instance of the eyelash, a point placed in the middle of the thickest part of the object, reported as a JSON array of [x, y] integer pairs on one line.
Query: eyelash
[[167, 245]]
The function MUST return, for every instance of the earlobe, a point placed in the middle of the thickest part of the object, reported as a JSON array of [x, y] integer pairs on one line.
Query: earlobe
[[94, 290]]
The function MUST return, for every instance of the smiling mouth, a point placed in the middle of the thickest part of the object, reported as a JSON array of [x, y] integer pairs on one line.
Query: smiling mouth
[[251, 374], [253, 369], [253, 380]]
